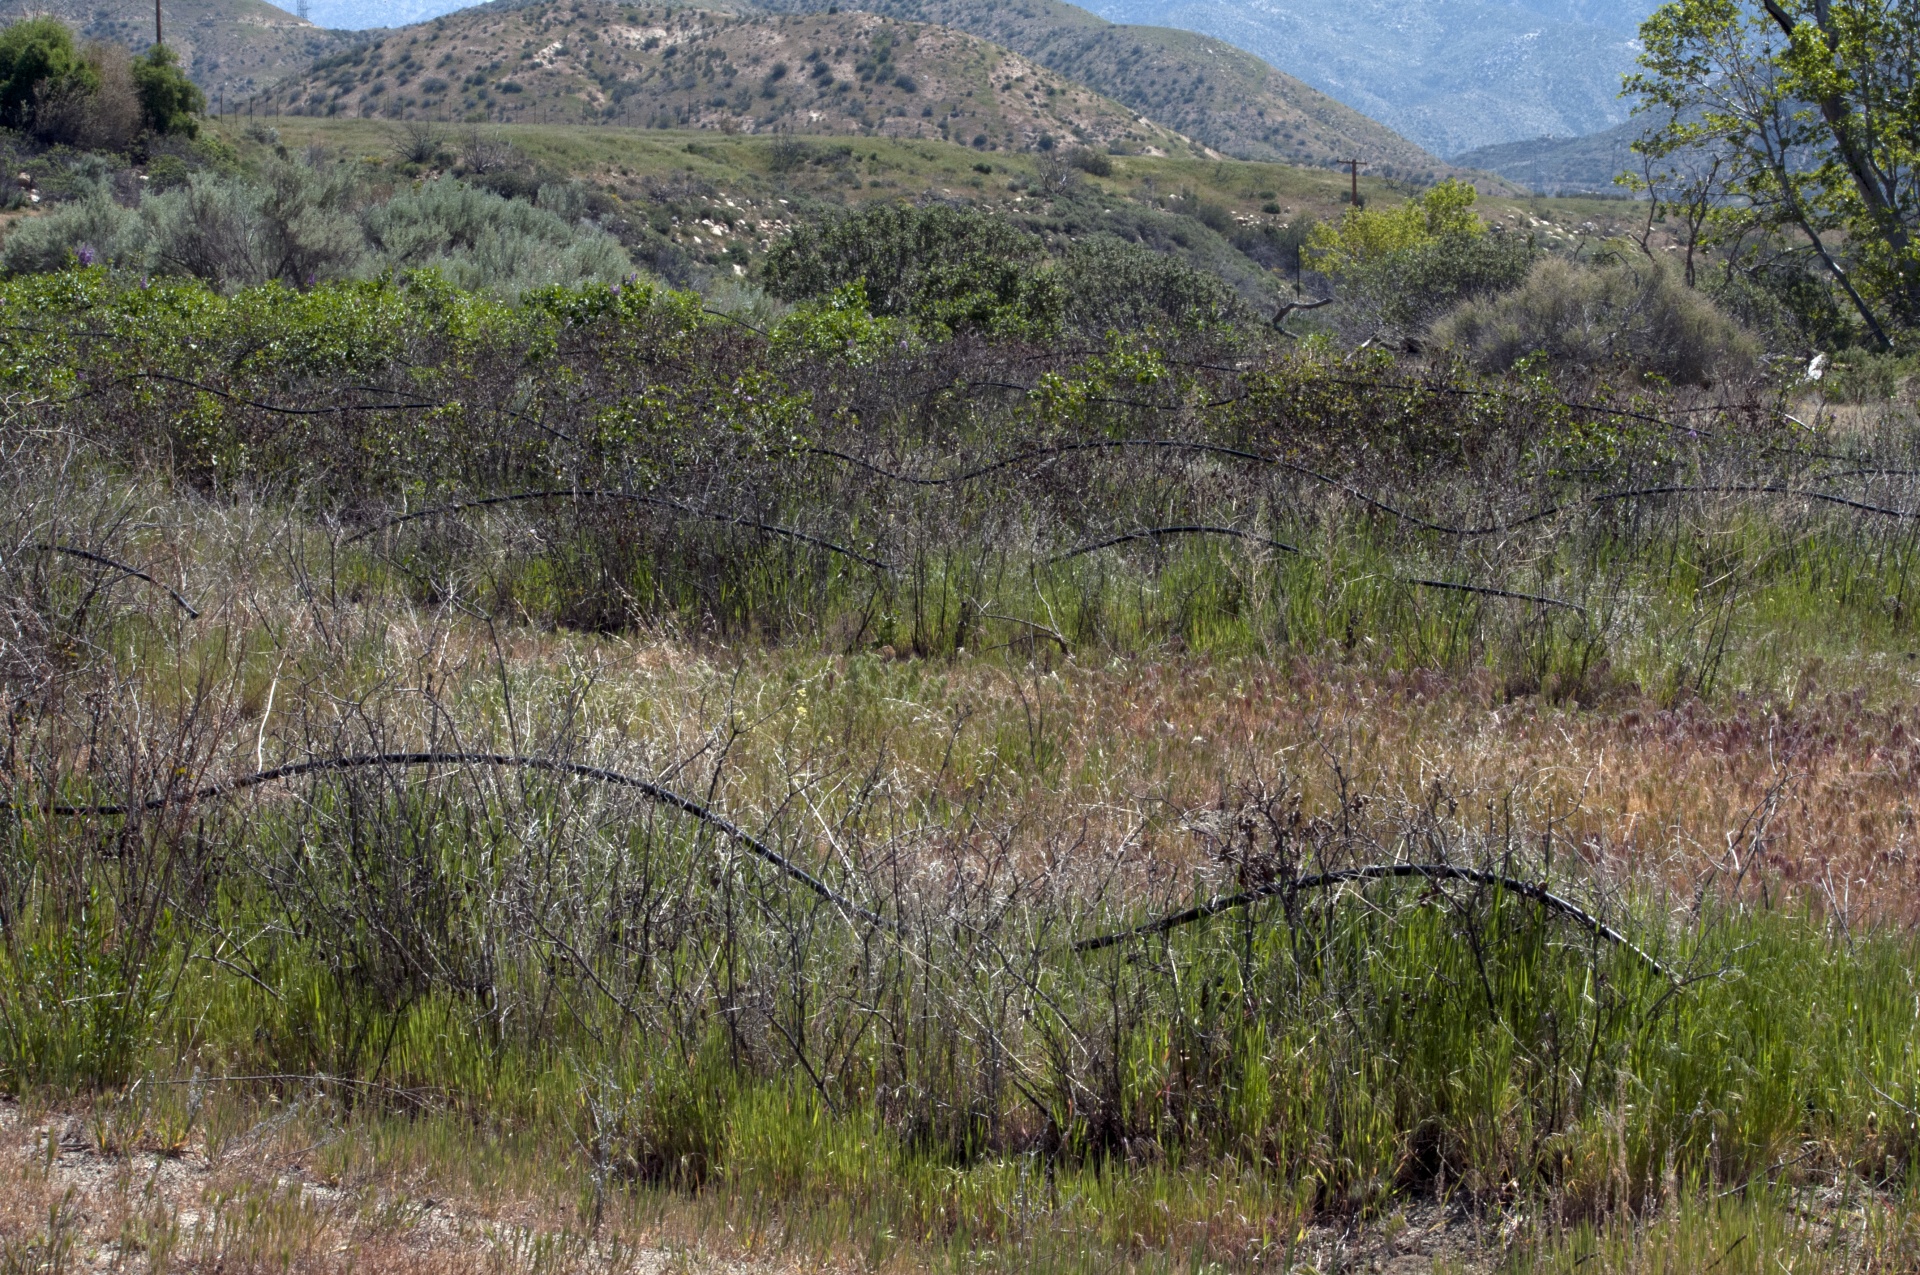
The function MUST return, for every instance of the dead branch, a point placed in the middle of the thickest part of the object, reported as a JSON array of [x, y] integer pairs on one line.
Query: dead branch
[[89, 556], [577, 770], [1376, 872]]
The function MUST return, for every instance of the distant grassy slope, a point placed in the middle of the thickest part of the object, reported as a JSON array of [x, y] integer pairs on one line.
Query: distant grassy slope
[[1205, 88], [230, 47], [589, 61]]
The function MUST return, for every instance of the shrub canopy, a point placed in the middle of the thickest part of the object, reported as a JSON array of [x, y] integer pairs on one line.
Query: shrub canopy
[[37, 58], [1635, 315], [945, 268], [168, 99], [1365, 235]]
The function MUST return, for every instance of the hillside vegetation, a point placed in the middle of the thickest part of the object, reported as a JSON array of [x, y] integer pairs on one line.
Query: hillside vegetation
[[690, 203], [584, 60], [1217, 94]]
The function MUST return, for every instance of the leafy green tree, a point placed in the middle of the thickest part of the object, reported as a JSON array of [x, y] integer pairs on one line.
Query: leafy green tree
[[1398, 269], [38, 59], [944, 268], [1812, 108], [1365, 235], [169, 101]]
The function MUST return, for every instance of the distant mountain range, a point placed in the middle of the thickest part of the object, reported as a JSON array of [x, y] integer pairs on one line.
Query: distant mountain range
[[1526, 89], [362, 15]]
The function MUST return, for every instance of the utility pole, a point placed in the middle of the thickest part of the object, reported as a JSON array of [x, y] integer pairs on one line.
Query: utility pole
[[158, 38], [1353, 167]]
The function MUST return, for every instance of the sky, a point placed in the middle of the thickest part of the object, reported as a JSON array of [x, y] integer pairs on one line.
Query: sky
[[355, 15]]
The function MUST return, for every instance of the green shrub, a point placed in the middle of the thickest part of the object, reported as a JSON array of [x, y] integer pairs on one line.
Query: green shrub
[[1788, 300], [480, 240], [90, 231], [1272, 246], [1402, 291], [1090, 161], [1631, 314], [1367, 234], [96, 110], [303, 225], [38, 60], [168, 99], [294, 226], [1115, 285], [945, 268]]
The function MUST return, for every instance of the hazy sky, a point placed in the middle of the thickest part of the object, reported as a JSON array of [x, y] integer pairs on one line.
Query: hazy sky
[[355, 14]]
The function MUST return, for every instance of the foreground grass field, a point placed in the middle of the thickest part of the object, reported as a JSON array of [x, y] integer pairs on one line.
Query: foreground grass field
[[591, 784]]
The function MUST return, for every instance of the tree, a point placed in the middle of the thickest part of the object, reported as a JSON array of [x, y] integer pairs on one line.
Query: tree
[[1400, 268], [1366, 235], [1812, 108], [168, 99], [37, 61]]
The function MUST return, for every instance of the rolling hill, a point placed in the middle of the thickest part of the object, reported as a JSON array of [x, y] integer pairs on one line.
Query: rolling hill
[[1203, 87], [583, 61], [231, 48]]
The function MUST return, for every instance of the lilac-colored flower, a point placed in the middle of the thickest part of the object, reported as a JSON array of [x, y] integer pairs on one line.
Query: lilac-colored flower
[[86, 254]]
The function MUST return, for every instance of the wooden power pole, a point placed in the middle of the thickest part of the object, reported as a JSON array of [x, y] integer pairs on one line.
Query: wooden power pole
[[1353, 168], [158, 38]]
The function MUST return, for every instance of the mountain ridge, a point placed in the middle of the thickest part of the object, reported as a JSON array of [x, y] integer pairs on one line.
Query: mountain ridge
[[1448, 75]]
